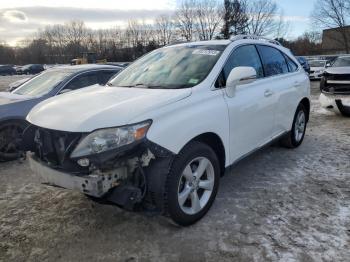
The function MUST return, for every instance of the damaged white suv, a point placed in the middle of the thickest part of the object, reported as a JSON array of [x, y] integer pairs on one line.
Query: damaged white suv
[[161, 133]]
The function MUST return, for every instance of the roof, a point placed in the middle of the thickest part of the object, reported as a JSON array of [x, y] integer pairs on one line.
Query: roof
[[209, 42], [78, 68]]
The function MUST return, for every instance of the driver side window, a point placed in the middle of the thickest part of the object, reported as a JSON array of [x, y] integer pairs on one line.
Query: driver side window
[[242, 56]]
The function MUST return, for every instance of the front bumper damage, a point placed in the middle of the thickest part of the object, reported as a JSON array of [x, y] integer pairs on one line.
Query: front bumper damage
[[119, 176], [91, 184]]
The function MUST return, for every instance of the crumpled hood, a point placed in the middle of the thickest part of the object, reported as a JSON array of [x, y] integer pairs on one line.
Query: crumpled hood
[[94, 107], [338, 70], [8, 98]]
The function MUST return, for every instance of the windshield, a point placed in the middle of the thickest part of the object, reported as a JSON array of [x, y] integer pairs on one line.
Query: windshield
[[42, 84], [170, 68], [341, 61], [317, 63]]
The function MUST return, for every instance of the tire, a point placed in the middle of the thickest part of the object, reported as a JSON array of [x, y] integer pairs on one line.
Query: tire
[[187, 199], [344, 110], [10, 140], [295, 136]]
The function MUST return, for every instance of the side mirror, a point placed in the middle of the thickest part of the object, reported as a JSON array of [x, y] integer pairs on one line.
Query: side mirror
[[241, 75], [63, 91], [328, 64]]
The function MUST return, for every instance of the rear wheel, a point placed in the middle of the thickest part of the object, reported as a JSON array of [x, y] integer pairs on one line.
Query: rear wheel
[[10, 140], [344, 110], [295, 136], [192, 184]]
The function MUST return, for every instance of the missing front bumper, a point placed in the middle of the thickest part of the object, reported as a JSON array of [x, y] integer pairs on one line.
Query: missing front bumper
[[93, 185]]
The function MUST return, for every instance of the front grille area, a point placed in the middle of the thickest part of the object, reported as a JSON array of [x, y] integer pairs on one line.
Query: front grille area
[[54, 148], [336, 88], [340, 77]]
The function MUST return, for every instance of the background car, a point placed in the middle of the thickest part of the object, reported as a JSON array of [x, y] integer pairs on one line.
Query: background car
[[317, 68], [30, 69], [15, 105], [304, 63], [7, 70], [335, 86]]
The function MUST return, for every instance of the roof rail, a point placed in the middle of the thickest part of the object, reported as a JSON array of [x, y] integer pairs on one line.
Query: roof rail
[[255, 37]]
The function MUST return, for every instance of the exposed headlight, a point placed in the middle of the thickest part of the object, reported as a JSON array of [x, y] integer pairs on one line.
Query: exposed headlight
[[110, 138]]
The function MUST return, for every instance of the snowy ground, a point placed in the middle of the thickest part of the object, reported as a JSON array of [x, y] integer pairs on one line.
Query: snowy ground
[[277, 205]]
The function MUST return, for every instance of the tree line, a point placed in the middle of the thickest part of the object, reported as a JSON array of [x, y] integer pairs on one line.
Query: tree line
[[192, 20]]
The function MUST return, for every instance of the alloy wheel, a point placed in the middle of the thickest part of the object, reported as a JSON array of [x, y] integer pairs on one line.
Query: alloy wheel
[[196, 185]]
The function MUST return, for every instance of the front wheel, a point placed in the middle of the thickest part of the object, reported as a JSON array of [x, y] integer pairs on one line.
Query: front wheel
[[192, 184], [295, 136], [10, 140]]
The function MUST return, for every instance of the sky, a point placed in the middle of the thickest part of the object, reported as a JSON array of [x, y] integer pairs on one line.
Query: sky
[[22, 18]]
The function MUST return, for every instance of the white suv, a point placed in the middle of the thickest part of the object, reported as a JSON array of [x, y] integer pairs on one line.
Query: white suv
[[161, 133]]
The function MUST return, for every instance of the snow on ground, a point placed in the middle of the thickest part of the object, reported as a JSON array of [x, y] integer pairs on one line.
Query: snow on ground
[[276, 205]]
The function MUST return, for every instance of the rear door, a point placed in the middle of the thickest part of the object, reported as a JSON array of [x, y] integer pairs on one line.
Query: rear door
[[280, 71], [251, 110]]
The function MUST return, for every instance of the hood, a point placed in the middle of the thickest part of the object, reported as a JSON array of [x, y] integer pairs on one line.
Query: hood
[[8, 98], [338, 70], [94, 107]]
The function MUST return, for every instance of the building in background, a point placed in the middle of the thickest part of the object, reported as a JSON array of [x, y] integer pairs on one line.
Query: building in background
[[333, 40]]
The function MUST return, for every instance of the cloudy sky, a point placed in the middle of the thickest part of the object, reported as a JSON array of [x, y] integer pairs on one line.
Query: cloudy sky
[[21, 18]]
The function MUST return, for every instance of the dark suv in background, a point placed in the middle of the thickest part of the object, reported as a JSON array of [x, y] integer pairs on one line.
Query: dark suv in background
[[30, 69]]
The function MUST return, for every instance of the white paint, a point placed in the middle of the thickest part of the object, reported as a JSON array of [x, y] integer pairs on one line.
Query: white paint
[[244, 121]]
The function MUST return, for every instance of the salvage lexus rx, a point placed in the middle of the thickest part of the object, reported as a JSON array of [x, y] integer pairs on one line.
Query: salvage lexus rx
[[160, 136]]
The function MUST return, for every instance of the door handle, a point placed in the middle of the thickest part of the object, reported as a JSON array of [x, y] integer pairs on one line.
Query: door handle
[[268, 93]]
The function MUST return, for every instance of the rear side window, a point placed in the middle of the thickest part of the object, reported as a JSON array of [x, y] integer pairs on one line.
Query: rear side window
[[242, 56], [273, 61], [292, 66]]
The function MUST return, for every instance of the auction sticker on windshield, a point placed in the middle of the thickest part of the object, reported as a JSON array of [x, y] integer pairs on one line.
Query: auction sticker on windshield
[[205, 52]]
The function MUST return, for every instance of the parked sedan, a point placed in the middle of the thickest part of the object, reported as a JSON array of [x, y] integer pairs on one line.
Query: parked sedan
[[15, 105], [317, 68], [7, 70], [30, 69], [335, 86]]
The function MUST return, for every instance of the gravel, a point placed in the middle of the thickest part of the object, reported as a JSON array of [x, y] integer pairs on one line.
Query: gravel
[[276, 205]]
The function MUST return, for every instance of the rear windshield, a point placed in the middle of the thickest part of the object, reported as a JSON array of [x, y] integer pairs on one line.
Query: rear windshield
[[170, 67]]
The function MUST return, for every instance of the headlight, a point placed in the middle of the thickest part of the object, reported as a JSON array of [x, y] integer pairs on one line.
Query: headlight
[[110, 138]]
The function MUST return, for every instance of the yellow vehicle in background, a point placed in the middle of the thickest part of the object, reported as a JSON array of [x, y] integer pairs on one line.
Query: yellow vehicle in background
[[87, 58]]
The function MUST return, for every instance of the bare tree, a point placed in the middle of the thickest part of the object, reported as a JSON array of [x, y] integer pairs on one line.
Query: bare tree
[[264, 18], [334, 14], [185, 19], [208, 18], [164, 27], [235, 18]]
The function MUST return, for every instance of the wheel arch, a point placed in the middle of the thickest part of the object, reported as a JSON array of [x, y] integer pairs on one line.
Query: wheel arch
[[215, 142]]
